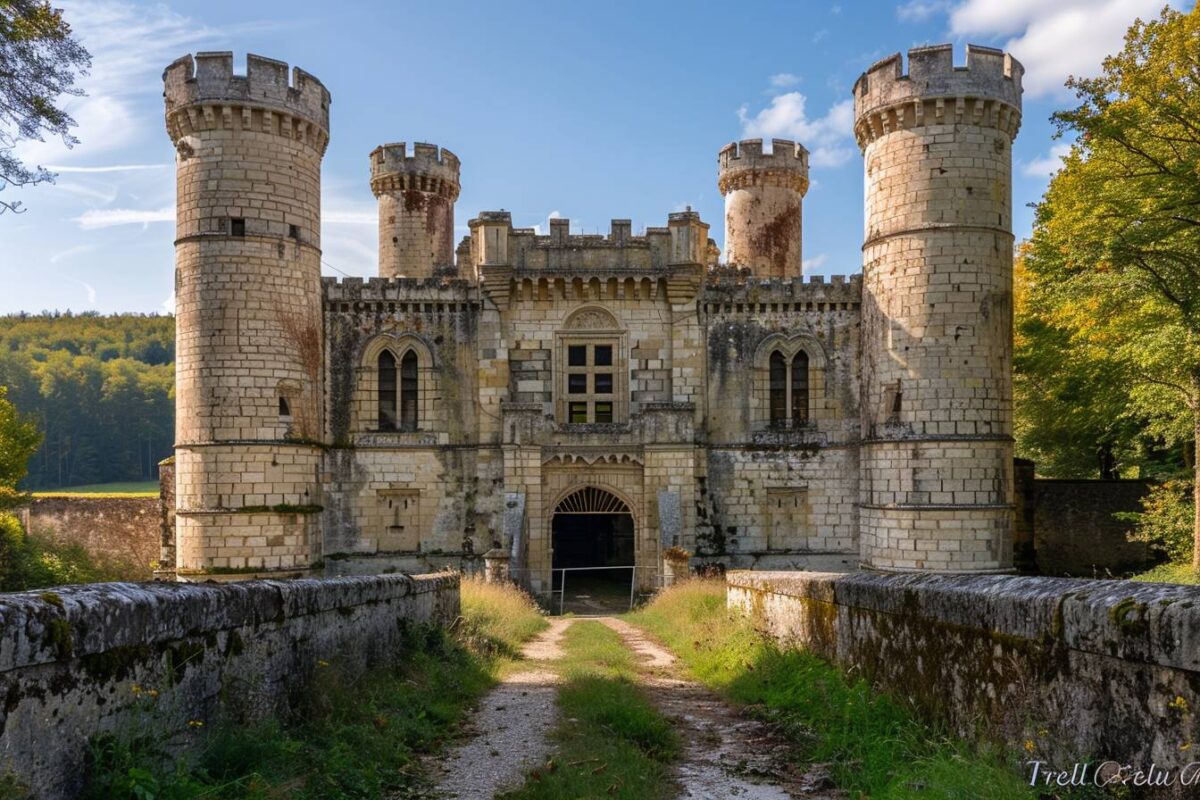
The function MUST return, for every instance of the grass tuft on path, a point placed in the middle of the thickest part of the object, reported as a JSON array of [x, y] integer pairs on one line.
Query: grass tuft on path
[[875, 747], [611, 742], [354, 737]]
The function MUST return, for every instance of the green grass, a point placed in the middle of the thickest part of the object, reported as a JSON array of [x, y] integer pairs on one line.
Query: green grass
[[875, 746], [611, 741], [127, 489], [1169, 573], [353, 738]]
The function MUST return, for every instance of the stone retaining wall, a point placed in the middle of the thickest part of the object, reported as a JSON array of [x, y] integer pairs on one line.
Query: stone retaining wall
[[1063, 668], [114, 658], [111, 529]]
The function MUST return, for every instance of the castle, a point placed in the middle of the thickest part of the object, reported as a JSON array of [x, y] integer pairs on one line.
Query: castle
[[584, 400]]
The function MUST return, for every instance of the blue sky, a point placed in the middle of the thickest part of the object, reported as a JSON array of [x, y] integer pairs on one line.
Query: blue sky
[[586, 111]]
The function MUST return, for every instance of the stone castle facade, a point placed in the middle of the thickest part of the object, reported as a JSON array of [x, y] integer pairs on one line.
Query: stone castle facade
[[578, 400]]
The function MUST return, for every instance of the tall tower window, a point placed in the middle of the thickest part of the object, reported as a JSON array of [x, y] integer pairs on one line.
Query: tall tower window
[[387, 391], [408, 391], [800, 389]]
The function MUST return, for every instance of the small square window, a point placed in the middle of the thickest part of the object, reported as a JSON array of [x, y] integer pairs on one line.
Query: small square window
[[285, 410], [237, 226], [577, 384], [577, 355], [603, 383], [603, 355], [578, 412], [604, 412], [294, 231]]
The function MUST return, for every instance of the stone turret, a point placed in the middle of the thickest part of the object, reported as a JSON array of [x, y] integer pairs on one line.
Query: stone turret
[[416, 196], [936, 465], [763, 205], [249, 395]]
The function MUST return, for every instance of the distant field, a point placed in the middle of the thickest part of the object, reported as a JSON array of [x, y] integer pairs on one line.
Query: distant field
[[132, 488]]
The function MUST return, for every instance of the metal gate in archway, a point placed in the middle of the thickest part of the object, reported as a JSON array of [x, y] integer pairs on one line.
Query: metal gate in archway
[[592, 540]]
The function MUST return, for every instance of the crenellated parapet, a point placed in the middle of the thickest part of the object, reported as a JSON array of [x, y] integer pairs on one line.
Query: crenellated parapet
[[358, 291], [812, 293], [202, 93], [741, 165], [428, 168], [985, 92]]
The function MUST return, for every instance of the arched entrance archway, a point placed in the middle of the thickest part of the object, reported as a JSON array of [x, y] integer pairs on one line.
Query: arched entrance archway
[[592, 540]]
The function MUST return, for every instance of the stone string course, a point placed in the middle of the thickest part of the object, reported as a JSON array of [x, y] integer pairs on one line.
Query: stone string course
[[1081, 669], [70, 658]]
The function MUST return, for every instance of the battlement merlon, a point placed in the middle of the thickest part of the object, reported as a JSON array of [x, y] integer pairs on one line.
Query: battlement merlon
[[207, 79], [719, 290], [427, 168], [987, 88], [741, 164]]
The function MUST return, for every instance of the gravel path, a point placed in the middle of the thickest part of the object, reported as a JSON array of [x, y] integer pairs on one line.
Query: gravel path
[[726, 755], [510, 731]]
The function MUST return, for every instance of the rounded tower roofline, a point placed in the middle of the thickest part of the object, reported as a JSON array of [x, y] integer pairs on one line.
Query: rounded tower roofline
[[987, 91], [202, 92], [743, 163], [429, 168]]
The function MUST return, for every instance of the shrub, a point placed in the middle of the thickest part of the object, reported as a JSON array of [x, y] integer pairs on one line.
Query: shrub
[[1165, 521]]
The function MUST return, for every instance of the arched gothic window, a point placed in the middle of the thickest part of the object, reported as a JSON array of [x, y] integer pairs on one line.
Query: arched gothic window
[[778, 379], [388, 417], [788, 389], [398, 401], [800, 389], [408, 391]]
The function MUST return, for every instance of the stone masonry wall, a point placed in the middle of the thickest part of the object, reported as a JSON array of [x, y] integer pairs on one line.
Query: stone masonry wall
[[1079, 668], [70, 659], [124, 529], [1075, 532]]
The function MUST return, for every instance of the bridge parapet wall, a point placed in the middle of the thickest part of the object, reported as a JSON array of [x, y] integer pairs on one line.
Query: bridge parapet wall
[[79, 661], [1086, 670]]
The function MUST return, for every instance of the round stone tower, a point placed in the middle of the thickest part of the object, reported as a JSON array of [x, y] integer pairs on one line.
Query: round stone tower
[[249, 342], [416, 208], [763, 195], [937, 458]]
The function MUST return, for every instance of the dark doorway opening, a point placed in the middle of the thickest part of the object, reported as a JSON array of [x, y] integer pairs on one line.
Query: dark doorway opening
[[592, 536]]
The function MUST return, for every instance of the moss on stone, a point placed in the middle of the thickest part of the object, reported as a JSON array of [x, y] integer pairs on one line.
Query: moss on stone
[[59, 639]]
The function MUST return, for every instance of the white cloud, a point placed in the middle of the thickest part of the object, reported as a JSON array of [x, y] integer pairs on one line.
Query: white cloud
[[554, 215], [1046, 166], [109, 217], [828, 138], [1053, 40], [350, 217], [814, 263], [168, 305], [783, 80], [920, 10], [109, 168], [91, 292], [71, 252]]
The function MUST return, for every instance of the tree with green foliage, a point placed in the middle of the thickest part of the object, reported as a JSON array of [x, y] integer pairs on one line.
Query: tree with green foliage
[[101, 390], [39, 62], [1116, 244], [19, 440]]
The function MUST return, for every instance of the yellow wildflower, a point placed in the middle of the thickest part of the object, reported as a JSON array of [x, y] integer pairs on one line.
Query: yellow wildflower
[[1029, 745], [195, 723], [1179, 704]]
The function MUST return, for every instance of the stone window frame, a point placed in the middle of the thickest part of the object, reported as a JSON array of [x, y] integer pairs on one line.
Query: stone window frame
[[366, 406], [788, 346], [589, 326]]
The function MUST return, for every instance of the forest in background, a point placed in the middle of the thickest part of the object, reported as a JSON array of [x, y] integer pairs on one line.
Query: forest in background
[[100, 388]]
